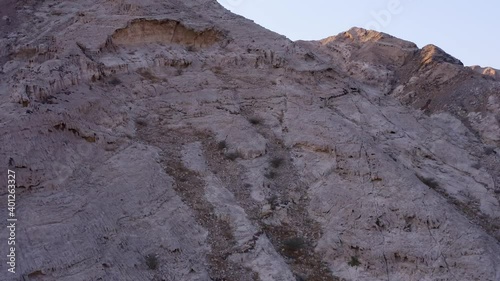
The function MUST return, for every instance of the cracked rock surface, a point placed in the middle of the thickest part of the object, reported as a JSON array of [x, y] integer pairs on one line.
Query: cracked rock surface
[[174, 140]]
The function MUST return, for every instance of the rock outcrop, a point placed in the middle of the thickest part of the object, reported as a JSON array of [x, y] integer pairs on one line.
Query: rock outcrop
[[174, 140]]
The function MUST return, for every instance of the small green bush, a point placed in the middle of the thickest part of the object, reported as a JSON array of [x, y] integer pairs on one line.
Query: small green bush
[[151, 261], [141, 122], [115, 81], [294, 244], [254, 120], [222, 145], [276, 162], [354, 261]]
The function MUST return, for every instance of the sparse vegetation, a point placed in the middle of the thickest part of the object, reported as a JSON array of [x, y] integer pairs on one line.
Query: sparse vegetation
[[115, 81], [354, 261], [276, 162], [222, 145], [294, 244], [141, 122], [254, 120], [151, 261]]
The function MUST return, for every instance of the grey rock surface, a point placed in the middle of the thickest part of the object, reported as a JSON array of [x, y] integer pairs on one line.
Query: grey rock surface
[[174, 140]]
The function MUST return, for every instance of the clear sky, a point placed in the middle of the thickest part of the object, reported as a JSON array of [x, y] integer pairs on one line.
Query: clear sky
[[468, 30]]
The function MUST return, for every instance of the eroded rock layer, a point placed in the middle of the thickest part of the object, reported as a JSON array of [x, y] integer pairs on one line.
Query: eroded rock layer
[[173, 140]]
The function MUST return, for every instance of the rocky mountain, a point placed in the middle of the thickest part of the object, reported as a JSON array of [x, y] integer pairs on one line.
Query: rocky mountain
[[495, 73], [174, 140]]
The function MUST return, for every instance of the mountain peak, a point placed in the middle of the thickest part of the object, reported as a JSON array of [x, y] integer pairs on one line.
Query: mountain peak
[[489, 71], [432, 53], [173, 140]]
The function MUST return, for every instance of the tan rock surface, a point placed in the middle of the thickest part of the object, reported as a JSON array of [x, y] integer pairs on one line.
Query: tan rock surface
[[178, 131]]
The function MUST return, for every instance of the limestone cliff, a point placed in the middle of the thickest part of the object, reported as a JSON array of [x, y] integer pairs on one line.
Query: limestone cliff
[[174, 140]]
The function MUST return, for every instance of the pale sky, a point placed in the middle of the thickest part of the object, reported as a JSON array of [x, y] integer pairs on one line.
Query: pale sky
[[468, 30]]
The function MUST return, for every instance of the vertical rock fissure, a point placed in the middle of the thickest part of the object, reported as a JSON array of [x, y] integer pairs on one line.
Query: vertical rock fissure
[[190, 187], [294, 240]]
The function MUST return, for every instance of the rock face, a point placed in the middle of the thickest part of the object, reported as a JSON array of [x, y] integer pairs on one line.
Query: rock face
[[173, 140], [495, 73]]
